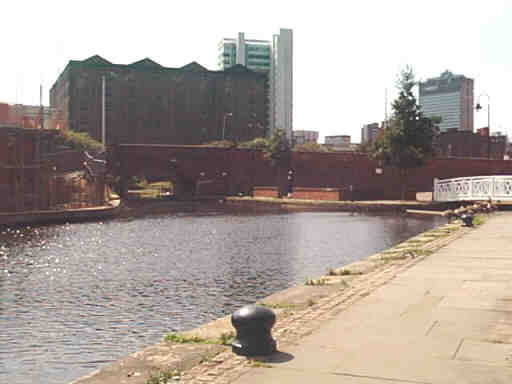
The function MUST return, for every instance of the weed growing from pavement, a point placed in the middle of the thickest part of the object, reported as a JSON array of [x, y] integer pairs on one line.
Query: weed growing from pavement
[[164, 377], [418, 252], [224, 339], [180, 339], [279, 305], [416, 241], [316, 282], [342, 272], [259, 364], [478, 220]]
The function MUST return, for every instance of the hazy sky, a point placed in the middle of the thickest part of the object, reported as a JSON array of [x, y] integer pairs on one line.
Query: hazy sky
[[346, 53]]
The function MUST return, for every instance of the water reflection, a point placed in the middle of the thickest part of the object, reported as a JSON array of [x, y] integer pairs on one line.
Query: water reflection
[[73, 297]]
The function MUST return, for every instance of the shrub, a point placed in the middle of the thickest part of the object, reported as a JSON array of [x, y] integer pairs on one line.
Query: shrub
[[220, 144], [257, 143], [79, 141]]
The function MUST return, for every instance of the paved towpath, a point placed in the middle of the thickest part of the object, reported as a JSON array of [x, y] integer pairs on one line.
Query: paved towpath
[[447, 319]]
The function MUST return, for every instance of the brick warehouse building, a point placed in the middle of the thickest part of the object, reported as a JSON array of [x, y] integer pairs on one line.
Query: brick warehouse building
[[467, 144], [147, 103]]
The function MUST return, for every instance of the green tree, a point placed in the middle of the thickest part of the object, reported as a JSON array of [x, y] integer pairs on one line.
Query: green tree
[[220, 144], [409, 139], [257, 143], [80, 141], [366, 147], [278, 149]]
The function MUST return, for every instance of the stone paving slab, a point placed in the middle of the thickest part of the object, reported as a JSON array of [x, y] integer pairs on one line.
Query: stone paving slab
[[350, 316], [446, 319]]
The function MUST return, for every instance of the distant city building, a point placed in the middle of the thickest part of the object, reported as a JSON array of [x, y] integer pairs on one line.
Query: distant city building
[[274, 58], [369, 132], [338, 142], [25, 116], [450, 97], [147, 103], [303, 137]]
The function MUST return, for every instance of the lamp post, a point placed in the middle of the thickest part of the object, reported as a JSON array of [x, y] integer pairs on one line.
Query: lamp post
[[224, 123], [103, 110], [479, 107]]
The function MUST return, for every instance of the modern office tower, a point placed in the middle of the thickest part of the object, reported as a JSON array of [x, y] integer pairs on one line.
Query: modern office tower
[[369, 132], [450, 97], [274, 58]]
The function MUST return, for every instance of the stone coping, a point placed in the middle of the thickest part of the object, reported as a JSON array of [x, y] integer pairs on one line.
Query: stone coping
[[387, 203]]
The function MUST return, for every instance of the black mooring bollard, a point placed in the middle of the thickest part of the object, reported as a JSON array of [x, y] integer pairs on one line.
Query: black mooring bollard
[[467, 219], [253, 326]]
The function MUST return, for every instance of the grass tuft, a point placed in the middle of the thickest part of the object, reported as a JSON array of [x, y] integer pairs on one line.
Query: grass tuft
[[225, 339], [180, 339], [316, 282], [164, 377], [259, 364]]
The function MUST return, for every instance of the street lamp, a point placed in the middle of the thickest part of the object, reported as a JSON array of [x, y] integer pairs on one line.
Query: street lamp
[[103, 110], [224, 123], [479, 107]]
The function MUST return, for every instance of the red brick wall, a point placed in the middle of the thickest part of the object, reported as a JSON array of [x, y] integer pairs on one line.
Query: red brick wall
[[246, 169], [469, 144], [265, 192], [32, 180], [4, 113], [66, 161], [317, 194]]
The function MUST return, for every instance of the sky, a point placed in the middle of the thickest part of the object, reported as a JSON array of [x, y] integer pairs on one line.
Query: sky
[[346, 54]]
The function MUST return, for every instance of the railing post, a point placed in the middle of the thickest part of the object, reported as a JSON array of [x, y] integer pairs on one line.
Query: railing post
[[436, 196]]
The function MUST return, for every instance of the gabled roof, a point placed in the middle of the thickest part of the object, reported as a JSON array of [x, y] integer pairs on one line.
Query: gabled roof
[[194, 66], [146, 63], [95, 60]]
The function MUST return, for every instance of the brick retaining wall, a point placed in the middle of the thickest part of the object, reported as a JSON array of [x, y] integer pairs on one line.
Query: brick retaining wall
[[265, 192], [317, 194]]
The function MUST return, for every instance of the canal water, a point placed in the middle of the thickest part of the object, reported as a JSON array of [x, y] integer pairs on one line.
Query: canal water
[[75, 297]]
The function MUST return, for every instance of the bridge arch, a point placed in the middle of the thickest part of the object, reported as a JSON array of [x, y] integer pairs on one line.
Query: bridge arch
[[193, 170]]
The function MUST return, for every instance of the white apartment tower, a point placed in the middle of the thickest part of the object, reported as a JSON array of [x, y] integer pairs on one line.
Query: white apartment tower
[[274, 58]]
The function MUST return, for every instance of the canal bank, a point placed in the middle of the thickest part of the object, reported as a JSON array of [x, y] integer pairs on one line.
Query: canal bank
[[68, 215], [79, 296], [334, 205], [198, 356], [447, 318], [143, 207]]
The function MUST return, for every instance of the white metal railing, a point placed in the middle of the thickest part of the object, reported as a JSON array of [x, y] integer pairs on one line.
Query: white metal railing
[[473, 188]]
